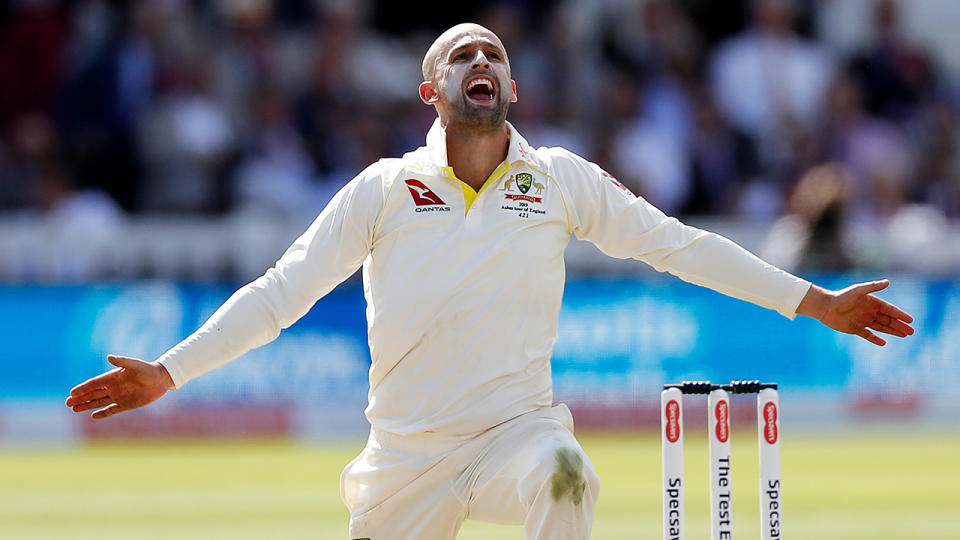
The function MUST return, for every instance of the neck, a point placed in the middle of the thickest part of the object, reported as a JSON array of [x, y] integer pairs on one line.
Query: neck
[[475, 155]]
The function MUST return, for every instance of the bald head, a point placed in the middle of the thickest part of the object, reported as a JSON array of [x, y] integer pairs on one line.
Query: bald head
[[437, 53]]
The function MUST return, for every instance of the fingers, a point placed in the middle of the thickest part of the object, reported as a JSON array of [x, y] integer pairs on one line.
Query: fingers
[[886, 318], [898, 326], [891, 329], [92, 404], [107, 411], [893, 311], [96, 393], [97, 387], [871, 337], [123, 361], [131, 384], [100, 381], [889, 325], [871, 286]]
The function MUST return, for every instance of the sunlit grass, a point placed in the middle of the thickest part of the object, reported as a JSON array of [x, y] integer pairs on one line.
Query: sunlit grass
[[874, 486]]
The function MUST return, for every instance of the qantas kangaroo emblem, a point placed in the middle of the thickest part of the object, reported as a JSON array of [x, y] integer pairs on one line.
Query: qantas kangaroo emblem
[[422, 195]]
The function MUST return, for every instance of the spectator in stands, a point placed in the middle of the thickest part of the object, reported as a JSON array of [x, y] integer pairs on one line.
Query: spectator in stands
[[875, 151], [896, 76], [32, 47], [187, 139], [107, 74], [724, 164], [32, 143], [547, 61], [155, 103], [810, 237], [80, 228], [652, 151], [938, 152], [275, 175], [768, 79]]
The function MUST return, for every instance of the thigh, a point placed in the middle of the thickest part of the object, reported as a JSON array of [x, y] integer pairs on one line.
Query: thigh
[[420, 511], [538, 452], [395, 494]]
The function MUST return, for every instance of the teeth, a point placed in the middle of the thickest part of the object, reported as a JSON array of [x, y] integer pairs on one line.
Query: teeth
[[475, 82]]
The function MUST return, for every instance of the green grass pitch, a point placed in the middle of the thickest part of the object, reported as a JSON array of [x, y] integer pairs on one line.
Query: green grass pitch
[[875, 485]]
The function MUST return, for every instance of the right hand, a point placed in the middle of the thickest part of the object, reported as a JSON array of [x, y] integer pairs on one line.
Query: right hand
[[855, 310], [133, 384]]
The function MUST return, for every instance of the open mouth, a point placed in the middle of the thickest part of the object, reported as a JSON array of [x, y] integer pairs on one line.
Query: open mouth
[[481, 90]]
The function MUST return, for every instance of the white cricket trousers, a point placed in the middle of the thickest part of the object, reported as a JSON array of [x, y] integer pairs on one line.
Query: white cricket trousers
[[528, 471]]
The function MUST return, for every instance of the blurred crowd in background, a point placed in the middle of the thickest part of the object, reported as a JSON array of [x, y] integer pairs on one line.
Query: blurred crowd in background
[[116, 112]]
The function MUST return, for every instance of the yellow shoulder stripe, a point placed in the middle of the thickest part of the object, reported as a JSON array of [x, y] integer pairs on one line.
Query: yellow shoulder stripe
[[469, 194]]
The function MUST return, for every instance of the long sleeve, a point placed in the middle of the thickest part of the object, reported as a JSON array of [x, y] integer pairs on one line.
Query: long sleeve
[[331, 249], [622, 225]]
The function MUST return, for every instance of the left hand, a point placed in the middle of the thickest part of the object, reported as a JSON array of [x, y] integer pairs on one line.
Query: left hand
[[134, 383], [855, 310]]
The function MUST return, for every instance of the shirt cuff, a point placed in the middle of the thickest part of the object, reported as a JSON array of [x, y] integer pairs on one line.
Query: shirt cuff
[[173, 369], [792, 301]]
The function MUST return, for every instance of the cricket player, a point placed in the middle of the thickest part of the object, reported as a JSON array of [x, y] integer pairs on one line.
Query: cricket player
[[461, 244]]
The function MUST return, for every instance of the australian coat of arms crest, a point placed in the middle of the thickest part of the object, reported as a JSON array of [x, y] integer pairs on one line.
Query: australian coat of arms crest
[[524, 181]]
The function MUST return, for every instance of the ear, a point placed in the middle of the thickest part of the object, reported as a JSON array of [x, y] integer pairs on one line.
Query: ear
[[428, 93], [513, 86]]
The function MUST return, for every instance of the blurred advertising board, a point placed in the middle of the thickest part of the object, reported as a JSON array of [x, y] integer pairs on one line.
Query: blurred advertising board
[[618, 342]]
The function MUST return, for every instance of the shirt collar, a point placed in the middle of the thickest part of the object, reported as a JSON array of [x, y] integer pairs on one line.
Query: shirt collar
[[518, 150]]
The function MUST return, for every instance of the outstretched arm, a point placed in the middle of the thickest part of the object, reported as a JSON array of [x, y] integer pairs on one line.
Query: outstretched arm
[[134, 383], [855, 310]]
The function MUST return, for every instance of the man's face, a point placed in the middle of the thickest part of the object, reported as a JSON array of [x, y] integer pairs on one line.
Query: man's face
[[472, 81]]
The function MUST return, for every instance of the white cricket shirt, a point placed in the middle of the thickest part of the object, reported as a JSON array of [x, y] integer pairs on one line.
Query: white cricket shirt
[[463, 289]]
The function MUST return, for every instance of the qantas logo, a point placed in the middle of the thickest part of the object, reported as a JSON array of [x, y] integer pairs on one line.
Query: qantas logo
[[422, 195], [722, 414], [672, 415]]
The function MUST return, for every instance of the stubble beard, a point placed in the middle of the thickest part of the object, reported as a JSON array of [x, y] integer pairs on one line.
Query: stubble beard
[[465, 116]]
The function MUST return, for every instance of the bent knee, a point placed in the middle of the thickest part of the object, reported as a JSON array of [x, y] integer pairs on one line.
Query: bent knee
[[567, 474], [568, 479]]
